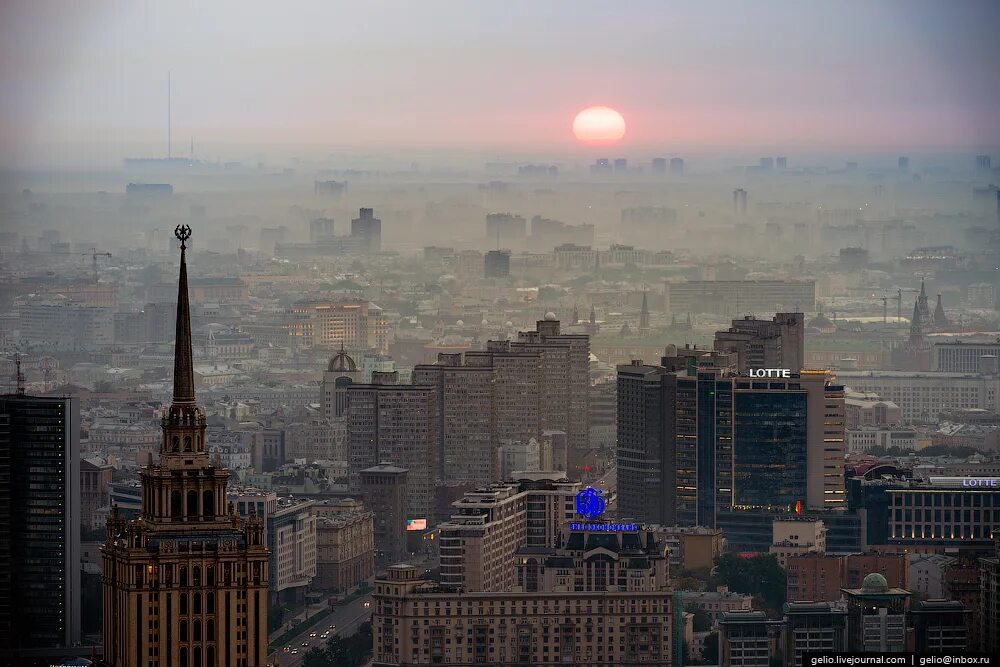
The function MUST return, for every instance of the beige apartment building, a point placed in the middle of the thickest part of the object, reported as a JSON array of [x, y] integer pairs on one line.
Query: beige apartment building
[[604, 599], [345, 545], [478, 544], [353, 323]]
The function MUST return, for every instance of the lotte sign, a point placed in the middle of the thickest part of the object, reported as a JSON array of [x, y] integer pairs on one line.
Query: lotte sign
[[770, 373]]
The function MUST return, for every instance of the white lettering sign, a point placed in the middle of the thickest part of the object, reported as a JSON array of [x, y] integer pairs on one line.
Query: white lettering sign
[[770, 372]]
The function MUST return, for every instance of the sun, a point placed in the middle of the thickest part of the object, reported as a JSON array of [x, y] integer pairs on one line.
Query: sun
[[599, 125]]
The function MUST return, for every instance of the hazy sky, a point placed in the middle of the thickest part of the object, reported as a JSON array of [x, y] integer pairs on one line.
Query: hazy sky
[[497, 76]]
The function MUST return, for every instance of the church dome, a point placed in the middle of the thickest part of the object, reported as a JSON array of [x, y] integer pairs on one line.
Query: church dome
[[342, 363], [550, 316], [875, 583]]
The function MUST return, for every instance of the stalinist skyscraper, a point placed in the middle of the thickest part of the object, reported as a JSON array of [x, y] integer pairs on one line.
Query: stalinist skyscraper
[[185, 581]]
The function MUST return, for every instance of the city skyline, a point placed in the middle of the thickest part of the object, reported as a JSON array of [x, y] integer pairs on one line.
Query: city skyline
[[395, 76]]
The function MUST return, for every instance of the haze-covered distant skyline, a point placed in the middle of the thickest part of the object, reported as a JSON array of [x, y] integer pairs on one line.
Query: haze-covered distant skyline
[[87, 80]]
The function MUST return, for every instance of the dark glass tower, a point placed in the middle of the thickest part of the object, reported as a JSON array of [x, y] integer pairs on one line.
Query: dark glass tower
[[769, 450], [39, 524]]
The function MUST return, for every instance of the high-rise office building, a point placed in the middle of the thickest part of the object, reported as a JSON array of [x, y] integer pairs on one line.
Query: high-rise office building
[[781, 162], [185, 581], [496, 264], [368, 228], [39, 525], [676, 165], [695, 439], [659, 165], [465, 441], [505, 227], [740, 202], [983, 163], [395, 423], [746, 638], [621, 165], [903, 163], [775, 343]]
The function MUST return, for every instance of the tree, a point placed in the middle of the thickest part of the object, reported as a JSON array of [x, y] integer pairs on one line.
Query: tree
[[702, 621], [316, 657], [710, 654], [760, 576]]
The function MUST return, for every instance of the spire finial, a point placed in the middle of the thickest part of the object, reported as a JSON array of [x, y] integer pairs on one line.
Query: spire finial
[[183, 356]]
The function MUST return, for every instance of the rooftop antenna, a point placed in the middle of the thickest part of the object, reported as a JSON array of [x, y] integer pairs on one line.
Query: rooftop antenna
[[168, 116], [20, 375]]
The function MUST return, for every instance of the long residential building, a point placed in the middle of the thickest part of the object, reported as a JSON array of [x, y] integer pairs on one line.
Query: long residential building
[[736, 297], [921, 396], [602, 599]]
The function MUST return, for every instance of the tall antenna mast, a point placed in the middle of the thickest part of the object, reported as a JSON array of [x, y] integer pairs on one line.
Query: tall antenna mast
[[20, 375], [168, 116]]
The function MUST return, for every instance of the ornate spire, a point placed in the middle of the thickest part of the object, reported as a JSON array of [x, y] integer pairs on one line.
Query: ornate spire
[[940, 319], [916, 328], [183, 357]]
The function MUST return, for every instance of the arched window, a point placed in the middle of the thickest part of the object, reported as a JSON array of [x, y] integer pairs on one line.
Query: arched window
[[210, 653], [176, 444], [197, 603], [210, 632], [197, 633], [208, 504], [210, 601], [184, 631], [184, 582], [184, 657], [210, 579], [187, 443], [196, 575], [175, 505], [192, 504], [197, 656]]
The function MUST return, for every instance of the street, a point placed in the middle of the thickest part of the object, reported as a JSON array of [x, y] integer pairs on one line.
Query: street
[[347, 618]]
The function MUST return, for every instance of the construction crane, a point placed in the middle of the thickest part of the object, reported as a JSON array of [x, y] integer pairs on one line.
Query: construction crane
[[93, 254], [899, 302]]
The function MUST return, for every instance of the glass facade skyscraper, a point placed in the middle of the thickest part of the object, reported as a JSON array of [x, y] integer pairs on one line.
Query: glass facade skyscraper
[[39, 523], [769, 449]]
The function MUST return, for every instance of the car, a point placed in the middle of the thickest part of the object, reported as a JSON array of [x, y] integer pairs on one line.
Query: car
[[287, 649], [304, 644], [295, 651], [312, 634], [333, 627], [325, 635]]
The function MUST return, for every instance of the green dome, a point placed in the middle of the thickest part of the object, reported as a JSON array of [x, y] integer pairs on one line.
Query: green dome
[[875, 583]]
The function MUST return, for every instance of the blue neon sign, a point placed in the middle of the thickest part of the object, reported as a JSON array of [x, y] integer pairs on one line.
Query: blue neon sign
[[590, 503]]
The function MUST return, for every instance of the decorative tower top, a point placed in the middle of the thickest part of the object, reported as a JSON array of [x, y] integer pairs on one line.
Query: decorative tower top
[[183, 357]]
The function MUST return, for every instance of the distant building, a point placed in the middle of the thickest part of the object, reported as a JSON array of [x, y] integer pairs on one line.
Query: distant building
[[497, 264], [758, 343], [740, 202], [329, 188], [341, 372], [368, 228], [345, 549], [95, 487], [966, 357], [505, 228], [676, 165], [352, 323], [659, 165], [781, 162], [796, 537], [903, 164], [148, 189], [737, 297]]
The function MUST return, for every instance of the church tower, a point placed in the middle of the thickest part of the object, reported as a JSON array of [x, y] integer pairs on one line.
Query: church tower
[[185, 580]]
